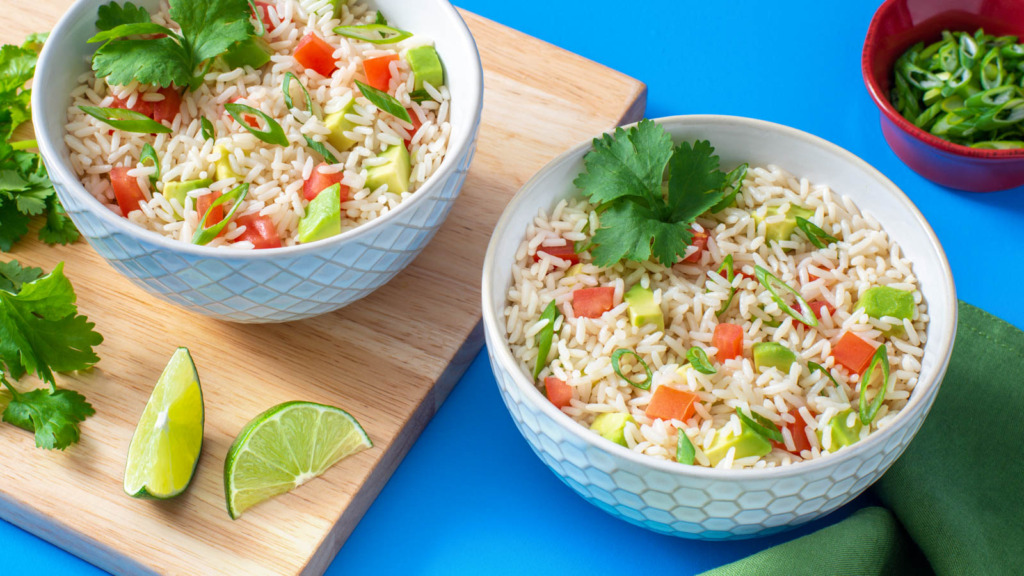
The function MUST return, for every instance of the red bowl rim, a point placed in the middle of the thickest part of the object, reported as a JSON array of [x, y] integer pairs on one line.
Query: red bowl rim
[[877, 94]]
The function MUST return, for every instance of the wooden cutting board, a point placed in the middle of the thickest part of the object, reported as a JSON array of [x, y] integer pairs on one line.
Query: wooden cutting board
[[390, 359]]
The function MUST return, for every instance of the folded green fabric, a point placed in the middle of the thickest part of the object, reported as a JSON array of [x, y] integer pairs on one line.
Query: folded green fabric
[[957, 493]]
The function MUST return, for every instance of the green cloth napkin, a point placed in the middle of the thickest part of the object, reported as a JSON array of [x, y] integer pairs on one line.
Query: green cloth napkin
[[955, 498]]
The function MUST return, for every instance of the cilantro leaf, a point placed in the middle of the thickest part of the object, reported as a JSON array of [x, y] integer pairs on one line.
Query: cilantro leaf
[[53, 415], [110, 16], [212, 26], [159, 61], [13, 275], [13, 225], [58, 229], [17, 65], [695, 184], [630, 163], [35, 41], [40, 331]]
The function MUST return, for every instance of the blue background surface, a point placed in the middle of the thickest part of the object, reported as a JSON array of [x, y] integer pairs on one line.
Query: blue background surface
[[471, 497]]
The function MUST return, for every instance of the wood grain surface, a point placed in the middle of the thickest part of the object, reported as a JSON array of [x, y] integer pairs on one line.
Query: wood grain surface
[[390, 359]]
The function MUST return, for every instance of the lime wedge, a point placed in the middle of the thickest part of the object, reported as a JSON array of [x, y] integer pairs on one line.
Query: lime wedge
[[167, 441], [285, 447]]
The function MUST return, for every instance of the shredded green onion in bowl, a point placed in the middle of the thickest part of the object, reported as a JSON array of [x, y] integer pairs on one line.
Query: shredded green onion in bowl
[[617, 355]]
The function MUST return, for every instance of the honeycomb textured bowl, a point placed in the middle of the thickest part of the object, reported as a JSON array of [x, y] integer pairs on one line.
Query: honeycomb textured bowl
[[706, 503], [274, 285]]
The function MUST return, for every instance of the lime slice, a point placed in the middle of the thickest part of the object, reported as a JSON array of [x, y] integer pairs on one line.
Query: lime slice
[[166, 444], [285, 447]]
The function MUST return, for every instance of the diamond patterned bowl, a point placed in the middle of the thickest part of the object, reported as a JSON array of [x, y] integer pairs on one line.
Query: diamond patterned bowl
[[705, 503], [276, 285]]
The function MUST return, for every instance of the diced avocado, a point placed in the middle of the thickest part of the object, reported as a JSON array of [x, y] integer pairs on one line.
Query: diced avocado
[[394, 172], [323, 216], [642, 309], [224, 169], [748, 443], [879, 301], [253, 52], [426, 66], [783, 229], [773, 354], [842, 435], [574, 270], [684, 371], [179, 190], [338, 125], [612, 425]]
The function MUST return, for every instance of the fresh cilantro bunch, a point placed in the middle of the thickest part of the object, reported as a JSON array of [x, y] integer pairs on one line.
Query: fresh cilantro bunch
[[41, 332], [25, 188], [134, 48], [624, 177]]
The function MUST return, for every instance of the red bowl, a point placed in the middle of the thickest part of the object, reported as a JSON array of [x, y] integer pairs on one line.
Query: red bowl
[[898, 25]]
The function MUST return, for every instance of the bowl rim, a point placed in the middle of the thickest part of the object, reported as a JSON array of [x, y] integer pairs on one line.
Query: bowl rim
[[869, 55], [502, 355], [460, 143]]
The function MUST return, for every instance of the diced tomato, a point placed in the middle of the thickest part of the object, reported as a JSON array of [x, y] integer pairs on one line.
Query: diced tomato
[[315, 54], [203, 205], [700, 240], [164, 110], [318, 182], [798, 430], [817, 305], [566, 252], [259, 230], [743, 274], [593, 302], [264, 15], [728, 338], [853, 353], [415, 125], [249, 118], [669, 403], [559, 393], [126, 189], [378, 71]]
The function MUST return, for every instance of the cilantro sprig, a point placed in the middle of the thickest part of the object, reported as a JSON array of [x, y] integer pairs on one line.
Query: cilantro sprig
[[25, 188], [41, 332], [640, 217], [135, 48]]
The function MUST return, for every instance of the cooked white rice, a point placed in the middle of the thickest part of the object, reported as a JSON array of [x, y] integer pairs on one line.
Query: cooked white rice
[[275, 173], [690, 297]]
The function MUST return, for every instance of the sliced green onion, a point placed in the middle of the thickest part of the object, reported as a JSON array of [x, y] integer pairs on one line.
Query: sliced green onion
[[761, 425], [991, 70], [815, 366], [126, 120], [260, 29], [968, 51], [685, 451], [698, 358], [286, 87], [320, 149], [773, 284], [545, 336], [420, 96], [274, 134], [207, 128], [149, 153], [384, 101], [374, 33], [380, 18], [868, 413], [816, 235], [729, 275], [733, 183], [646, 383], [204, 235]]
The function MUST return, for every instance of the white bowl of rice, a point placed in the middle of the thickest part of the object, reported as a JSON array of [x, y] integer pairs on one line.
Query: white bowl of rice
[[751, 446], [265, 264]]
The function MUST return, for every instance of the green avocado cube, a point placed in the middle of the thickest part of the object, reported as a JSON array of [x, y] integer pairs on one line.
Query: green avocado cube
[[773, 354], [842, 435], [880, 301], [612, 425], [179, 191], [323, 216], [338, 125], [224, 169], [253, 52], [394, 172], [747, 443], [783, 229], [642, 309], [426, 66]]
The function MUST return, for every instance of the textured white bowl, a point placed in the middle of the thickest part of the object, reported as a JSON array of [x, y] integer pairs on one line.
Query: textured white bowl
[[696, 502], [281, 284]]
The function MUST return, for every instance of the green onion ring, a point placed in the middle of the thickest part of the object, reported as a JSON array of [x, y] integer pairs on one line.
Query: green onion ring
[[274, 134], [646, 384], [261, 30], [698, 358], [207, 128], [815, 366], [763, 426], [373, 33], [771, 283], [684, 448], [815, 234], [730, 275], [320, 149], [126, 120], [545, 336], [286, 88], [204, 235], [384, 101], [867, 414], [149, 153]]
